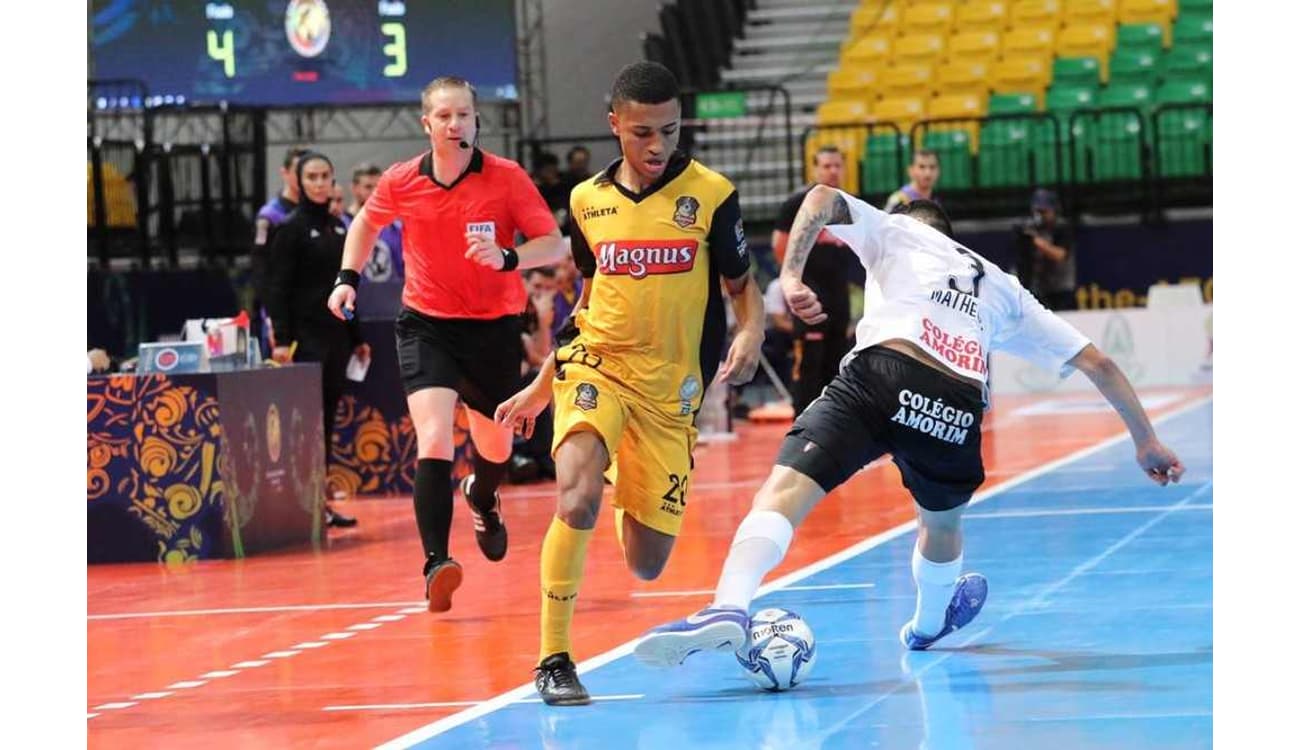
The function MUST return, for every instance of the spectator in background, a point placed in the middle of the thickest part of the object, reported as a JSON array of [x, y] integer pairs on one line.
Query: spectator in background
[[818, 348], [1045, 258], [546, 173], [924, 175], [568, 290], [778, 342], [336, 201], [578, 161], [269, 218], [385, 262], [304, 259]]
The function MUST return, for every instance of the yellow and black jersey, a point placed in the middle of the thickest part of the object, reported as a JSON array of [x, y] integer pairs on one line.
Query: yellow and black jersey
[[655, 321]]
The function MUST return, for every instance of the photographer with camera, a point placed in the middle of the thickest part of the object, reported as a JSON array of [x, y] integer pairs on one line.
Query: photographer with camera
[[1045, 253]]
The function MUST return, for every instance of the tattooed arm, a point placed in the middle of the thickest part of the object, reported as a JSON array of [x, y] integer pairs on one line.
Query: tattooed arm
[[822, 206]]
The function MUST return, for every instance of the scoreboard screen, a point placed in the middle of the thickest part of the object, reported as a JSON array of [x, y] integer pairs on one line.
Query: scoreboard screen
[[287, 52]]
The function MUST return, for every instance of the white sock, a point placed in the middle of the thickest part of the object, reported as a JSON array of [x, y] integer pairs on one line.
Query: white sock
[[934, 586], [759, 545]]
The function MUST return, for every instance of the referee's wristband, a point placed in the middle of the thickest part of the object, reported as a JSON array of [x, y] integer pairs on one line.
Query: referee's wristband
[[511, 259], [349, 277]]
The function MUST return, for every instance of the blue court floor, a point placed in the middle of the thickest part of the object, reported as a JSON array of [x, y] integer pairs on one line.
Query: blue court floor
[[1097, 633]]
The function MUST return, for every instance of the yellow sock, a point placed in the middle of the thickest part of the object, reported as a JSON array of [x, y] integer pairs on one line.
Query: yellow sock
[[618, 530], [564, 552]]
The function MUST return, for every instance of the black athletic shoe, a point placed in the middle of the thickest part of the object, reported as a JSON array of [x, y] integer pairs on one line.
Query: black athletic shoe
[[489, 529], [557, 682], [338, 520], [441, 578]]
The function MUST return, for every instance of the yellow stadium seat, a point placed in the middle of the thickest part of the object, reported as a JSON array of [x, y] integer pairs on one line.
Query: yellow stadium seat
[[919, 49], [1088, 40], [962, 77], [902, 111], [975, 46], [1026, 13], [1034, 41], [849, 141], [843, 112], [1020, 75], [959, 105], [903, 81], [868, 19], [982, 16], [1147, 11], [850, 82], [927, 18], [1091, 12], [869, 51]]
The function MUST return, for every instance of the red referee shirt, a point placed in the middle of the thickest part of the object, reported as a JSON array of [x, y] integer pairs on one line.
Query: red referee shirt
[[494, 195]]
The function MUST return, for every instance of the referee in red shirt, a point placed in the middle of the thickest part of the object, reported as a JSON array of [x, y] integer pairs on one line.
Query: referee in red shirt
[[458, 335]]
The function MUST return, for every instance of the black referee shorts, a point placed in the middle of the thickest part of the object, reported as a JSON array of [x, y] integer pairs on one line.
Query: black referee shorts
[[479, 359], [886, 402]]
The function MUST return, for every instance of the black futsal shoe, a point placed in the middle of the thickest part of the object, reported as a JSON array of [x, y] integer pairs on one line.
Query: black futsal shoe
[[489, 529], [557, 682]]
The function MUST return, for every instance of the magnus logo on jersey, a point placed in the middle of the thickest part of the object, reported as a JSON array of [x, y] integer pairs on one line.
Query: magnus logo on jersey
[[955, 350], [638, 259]]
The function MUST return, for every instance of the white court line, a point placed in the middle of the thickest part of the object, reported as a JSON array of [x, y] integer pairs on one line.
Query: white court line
[[280, 654], [1086, 511], [336, 636], [701, 592], [365, 626], [309, 644], [251, 664], [413, 610], [219, 673], [186, 684], [512, 696], [388, 618], [250, 610], [151, 696], [111, 706], [464, 704], [91, 716]]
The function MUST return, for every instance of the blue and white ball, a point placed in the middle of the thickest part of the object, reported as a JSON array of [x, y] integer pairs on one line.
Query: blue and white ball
[[781, 651]]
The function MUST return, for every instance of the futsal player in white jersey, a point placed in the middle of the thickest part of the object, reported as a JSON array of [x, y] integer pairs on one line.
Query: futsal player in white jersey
[[914, 387]]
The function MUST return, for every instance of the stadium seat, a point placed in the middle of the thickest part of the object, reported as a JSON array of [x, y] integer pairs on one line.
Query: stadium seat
[[1196, 6], [1078, 12], [1088, 40], [1183, 140], [1133, 66], [1013, 104], [927, 18], [1149, 37], [971, 46], [1063, 99], [902, 111], [843, 112], [958, 105], [1004, 153], [955, 156], [1033, 41], [962, 77], [903, 81], [1112, 141], [852, 82], [1180, 91], [869, 52], [919, 49], [982, 16], [1189, 61], [1020, 74], [1028, 13], [1076, 71], [1193, 28], [885, 162], [1126, 95], [1147, 11], [868, 19]]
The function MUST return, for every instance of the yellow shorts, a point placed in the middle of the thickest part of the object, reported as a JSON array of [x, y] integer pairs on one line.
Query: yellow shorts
[[650, 452]]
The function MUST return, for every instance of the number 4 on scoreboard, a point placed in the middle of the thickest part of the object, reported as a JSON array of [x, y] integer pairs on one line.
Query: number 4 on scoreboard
[[223, 50]]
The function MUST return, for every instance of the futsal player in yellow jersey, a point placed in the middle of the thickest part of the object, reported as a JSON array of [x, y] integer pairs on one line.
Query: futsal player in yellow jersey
[[656, 235]]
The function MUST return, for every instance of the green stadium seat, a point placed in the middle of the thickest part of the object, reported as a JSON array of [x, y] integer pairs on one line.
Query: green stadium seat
[[1112, 141], [1069, 98], [1125, 95], [954, 150], [1141, 36], [1017, 153], [880, 163], [1193, 27], [1189, 62], [1076, 71], [1179, 91], [1183, 139], [1196, 6], [1134, 67], [1013, 104]]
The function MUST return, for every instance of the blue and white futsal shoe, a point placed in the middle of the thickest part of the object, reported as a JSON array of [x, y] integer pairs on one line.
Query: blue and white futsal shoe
[[710, 629], [967, 600]]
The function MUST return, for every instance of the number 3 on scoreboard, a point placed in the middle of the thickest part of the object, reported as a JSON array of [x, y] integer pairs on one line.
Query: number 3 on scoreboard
[[223, 50], [396, 50]]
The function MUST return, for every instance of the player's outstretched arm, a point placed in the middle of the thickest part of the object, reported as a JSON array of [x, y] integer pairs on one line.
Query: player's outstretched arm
[[822, 206], [1159, 463]]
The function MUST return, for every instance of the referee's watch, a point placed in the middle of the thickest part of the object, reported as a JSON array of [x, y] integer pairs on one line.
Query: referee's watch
[[511, 259], [349, 277]]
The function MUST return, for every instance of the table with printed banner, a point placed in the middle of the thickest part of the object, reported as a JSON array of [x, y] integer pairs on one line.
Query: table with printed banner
[[203, 465]]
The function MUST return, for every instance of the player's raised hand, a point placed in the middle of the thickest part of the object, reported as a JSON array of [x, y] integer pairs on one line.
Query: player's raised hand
[[802, 301], [1159, 463], [483, 250], [519, 412], [742, 358], [344, 297]]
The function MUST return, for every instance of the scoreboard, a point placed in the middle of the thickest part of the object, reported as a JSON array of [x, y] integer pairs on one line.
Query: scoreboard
[[294, 52]]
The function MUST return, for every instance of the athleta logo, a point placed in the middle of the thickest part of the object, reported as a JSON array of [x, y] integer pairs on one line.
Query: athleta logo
[[635, 259], [592, 212]]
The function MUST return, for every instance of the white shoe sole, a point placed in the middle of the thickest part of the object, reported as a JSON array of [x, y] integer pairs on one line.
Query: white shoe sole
[[671, 649]]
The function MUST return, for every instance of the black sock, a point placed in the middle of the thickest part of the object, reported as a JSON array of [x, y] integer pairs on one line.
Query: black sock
[[487, 478], [433, 505]]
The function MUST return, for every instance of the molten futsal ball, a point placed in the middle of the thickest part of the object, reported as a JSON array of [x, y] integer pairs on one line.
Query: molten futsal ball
[[781, 652]]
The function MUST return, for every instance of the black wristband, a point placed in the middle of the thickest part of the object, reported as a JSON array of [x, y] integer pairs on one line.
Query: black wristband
[[349, 277], [511, 259]]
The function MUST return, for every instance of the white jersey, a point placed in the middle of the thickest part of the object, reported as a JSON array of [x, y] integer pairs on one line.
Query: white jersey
[[948, 300]]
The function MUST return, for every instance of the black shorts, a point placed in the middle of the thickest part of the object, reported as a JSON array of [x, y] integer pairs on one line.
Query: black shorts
[[886, 402], [479, 359]]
